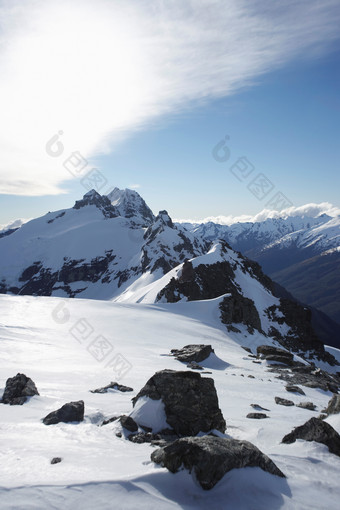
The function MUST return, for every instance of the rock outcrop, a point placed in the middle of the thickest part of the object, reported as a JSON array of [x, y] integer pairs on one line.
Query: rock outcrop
[[210, 458]]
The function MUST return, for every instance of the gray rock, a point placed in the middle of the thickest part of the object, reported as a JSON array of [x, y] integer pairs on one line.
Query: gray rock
[[128, 423], [333, 405], [17, 389], [190, 401], [112, 386], [70, 412], [294, 389], [56, 460], [259, 408], [257, 416], [307, 405], [308, 376], [210, 458], [283, 401], [192, 352], [194, 366], [316, 430]]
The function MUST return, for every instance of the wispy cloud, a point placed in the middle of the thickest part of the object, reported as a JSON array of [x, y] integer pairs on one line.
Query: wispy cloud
[[303, 211], [99, 70]]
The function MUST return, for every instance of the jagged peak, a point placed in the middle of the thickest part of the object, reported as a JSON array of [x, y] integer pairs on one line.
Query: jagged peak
[[164, 218], [130, 204]]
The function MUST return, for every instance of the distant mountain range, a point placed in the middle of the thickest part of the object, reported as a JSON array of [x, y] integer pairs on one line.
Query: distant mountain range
[[300, 253], [114, 248]]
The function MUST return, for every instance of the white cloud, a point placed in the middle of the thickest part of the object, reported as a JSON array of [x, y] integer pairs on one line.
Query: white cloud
[[303, 211], [98, 70], [13, 224]]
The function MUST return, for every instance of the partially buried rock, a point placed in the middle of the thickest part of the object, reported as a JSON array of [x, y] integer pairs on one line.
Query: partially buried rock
[[258, 407], [284, 401], [70, 412], [333, 405], [56, 460], [112, 386], [294, 389], [307, 405], [17, 390], [129, 423], [316, 430], [210, 458], [257, 416], [192, 352], [190, 401]]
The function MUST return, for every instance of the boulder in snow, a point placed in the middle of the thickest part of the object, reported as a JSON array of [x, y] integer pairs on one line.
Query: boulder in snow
[[17, 389], [190, 402], [210, 458], [193, 352], [72, 411], [284, 401], [333, 405], [316, 430]]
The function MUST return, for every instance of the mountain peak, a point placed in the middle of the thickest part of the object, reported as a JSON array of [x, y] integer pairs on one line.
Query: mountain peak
[[164, 218], [130, 204], [92, 197]]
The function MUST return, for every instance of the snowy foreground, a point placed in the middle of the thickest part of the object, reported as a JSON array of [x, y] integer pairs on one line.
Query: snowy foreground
[[55, 342]]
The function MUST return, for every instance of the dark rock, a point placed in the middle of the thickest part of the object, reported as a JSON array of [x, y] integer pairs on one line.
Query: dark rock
[[316, 430], [294, 389], [190, 401], [283, 401], [17, 389], [308, 376], [56, 460], [257, 416], [193, 352], [70, 412], [307, 405], [251, 376], [333, 405], [110, 420], [259, 408], [247, 349], [129, 423], [112, 386], [210, 458], [235, 308], [271, 353]]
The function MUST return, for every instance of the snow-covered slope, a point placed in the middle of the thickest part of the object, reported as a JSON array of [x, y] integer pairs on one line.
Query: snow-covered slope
[[46, 338]]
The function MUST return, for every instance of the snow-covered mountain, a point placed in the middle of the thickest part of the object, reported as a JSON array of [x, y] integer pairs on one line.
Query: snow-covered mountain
[[96, 249], [302, 253], [113, 247]]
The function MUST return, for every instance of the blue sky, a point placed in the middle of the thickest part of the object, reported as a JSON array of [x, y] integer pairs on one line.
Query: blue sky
[[284, 120]]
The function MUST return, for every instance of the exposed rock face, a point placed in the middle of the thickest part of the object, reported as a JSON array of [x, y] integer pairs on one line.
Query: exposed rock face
[[17, 390], [112, 386], [100, 201], [190, 401], [210, 458], [192, 352], [271, 353], [316, 430], [202, 282], [240, 310], [284, 402], [72, 411], [333, 405]]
